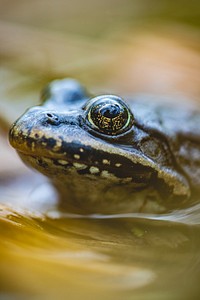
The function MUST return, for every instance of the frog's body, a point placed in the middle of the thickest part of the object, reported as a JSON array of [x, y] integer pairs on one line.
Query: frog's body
[[104, 157]]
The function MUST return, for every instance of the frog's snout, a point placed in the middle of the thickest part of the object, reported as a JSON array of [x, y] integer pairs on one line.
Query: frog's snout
[[37, 125]]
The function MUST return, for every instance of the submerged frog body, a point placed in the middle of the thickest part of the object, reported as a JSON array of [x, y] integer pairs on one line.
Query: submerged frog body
[[106, 156]]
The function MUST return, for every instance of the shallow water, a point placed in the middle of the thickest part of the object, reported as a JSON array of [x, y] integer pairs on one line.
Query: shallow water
[[112, 258]]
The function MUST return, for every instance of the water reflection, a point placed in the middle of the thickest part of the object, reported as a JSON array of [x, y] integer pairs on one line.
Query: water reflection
[[81, 256]]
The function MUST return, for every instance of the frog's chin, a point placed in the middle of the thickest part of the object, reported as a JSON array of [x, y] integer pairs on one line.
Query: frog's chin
[[82, 187]]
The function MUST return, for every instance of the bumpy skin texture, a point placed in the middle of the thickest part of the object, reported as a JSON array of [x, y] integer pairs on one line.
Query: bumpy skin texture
[[152, 164]]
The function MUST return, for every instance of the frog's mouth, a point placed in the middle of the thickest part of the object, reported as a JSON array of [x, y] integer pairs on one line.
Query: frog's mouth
[[139, 175], [53, 150]]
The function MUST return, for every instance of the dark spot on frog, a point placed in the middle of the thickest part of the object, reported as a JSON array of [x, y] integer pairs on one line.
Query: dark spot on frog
[[42, 163]]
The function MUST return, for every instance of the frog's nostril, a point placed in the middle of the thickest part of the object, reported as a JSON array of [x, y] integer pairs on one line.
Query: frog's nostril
[[52, 118]]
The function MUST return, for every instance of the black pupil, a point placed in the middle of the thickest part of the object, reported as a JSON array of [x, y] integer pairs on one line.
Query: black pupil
[[110, 111]]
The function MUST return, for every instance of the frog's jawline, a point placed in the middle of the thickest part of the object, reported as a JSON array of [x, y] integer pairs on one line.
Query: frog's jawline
[[92, 171], [78, 191]]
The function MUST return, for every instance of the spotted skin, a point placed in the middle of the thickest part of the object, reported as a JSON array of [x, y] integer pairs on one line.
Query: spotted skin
[[149, 163]]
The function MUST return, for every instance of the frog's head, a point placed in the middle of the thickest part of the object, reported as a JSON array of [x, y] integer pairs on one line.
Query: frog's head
[[99, 138]]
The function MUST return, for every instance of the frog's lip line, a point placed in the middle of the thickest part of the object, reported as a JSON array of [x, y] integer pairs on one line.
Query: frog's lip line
[[77, 158], [63, 161], [87, 169], [176, 181]]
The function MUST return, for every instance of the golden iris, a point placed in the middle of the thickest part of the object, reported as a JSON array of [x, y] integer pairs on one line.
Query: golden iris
[[109, 115]]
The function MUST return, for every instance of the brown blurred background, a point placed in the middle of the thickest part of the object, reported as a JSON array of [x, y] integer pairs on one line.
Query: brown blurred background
[[113, 45]]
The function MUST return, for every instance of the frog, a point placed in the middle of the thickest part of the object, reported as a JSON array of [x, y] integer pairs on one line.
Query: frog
[[106, 154]]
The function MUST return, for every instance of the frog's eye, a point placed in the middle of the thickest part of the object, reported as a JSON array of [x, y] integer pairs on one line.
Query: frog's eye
[[109, 114]]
